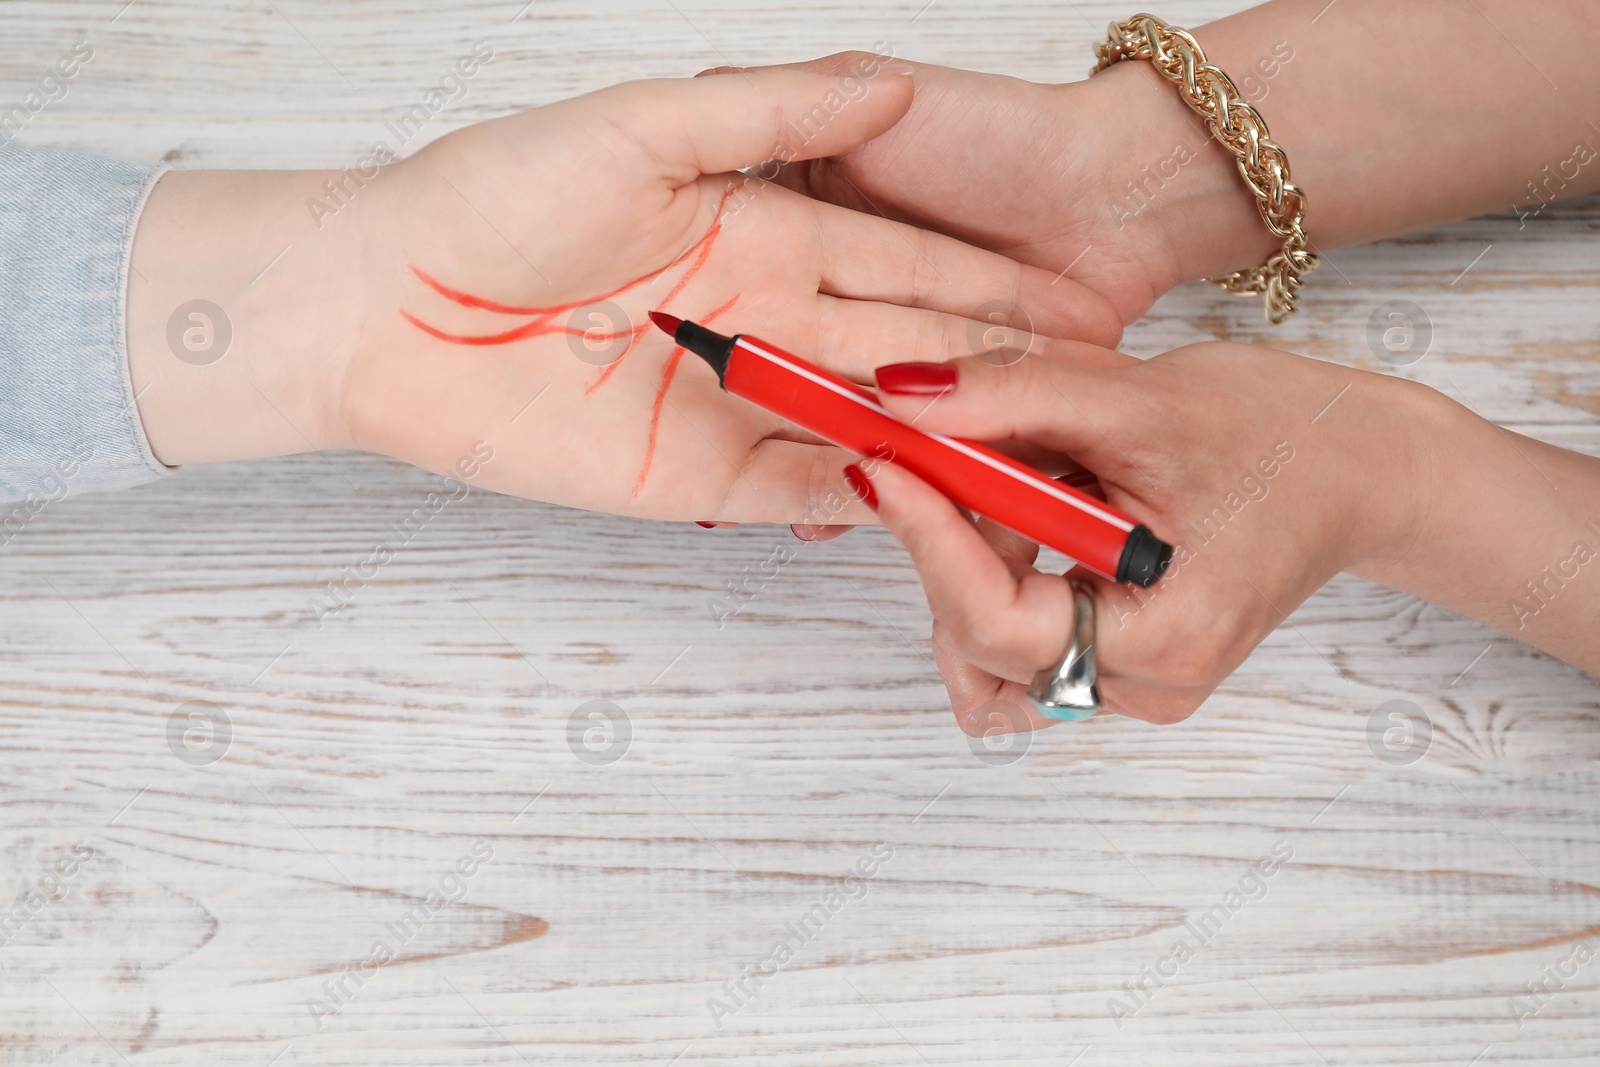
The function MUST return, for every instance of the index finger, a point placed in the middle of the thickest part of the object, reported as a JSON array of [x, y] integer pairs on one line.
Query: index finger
[[1010, 626]]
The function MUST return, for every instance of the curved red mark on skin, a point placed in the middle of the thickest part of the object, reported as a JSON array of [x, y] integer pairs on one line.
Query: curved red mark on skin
[[542, 322], [485, 304], [706, 244], [669, 370], [537, 328], [466, 299]]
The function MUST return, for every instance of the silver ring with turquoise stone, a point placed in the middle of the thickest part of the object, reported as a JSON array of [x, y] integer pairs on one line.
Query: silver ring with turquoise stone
[[1068, 690]]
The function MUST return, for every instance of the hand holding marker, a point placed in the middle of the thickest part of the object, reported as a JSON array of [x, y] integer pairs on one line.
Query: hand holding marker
[[994, 485]]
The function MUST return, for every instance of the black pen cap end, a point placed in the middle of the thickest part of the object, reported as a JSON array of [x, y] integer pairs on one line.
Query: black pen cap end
[[1144, 558]]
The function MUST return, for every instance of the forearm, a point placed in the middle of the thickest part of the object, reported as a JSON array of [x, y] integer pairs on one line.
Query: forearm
[[249, 375], [1505, 529], [1394, 117]]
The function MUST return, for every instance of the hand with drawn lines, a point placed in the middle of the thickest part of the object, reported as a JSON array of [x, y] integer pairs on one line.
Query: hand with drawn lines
[[528, 251], [494, 287]]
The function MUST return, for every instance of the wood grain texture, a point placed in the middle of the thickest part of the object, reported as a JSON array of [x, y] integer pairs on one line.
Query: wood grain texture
[[768, 755]]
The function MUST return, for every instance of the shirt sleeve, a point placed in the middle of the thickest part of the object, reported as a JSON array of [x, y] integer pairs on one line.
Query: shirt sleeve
[[68, 423]]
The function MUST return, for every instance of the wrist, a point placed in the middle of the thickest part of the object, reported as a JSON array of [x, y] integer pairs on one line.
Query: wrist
[[238, 307], [1173, 193], [1397, 434]]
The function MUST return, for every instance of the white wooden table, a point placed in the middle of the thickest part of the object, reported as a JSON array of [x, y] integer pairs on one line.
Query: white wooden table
[[210, 905]]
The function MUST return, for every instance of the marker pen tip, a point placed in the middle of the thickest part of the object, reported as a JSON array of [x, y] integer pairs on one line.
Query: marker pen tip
[[668, 324]]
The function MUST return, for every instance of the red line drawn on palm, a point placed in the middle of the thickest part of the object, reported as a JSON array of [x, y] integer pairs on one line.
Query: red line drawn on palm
[[543, 321]]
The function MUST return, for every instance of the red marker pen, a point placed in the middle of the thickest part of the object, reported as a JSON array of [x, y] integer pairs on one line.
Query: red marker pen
[[996, 486]]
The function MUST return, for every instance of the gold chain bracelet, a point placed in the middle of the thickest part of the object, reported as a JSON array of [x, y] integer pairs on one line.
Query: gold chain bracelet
[[1236, 125]]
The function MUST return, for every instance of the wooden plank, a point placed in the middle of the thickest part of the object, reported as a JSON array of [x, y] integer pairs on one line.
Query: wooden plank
[[768, 755]]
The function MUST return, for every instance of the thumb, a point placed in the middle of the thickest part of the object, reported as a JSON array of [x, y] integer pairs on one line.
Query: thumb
[[820, 178], [727, 121]]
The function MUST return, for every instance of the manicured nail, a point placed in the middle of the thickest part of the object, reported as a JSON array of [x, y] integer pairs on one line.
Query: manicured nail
[[861, 486], [705, 525], [805, 531], [917, 379]]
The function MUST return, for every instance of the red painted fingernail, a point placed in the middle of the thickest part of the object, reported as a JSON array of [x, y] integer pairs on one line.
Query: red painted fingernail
[[861, 486], [705, 525], [917, 379]]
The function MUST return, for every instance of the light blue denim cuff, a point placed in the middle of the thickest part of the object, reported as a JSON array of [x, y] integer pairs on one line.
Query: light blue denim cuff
[[68, 423]]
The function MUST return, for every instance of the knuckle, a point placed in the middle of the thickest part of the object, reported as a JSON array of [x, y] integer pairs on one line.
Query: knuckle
[[991, 637], [961, 630], [1100, 323], [832, 331], [921, 542], [1022, 394], [1016, 278], [923, 269], [979, 641], [930, 338], [850, 60]]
